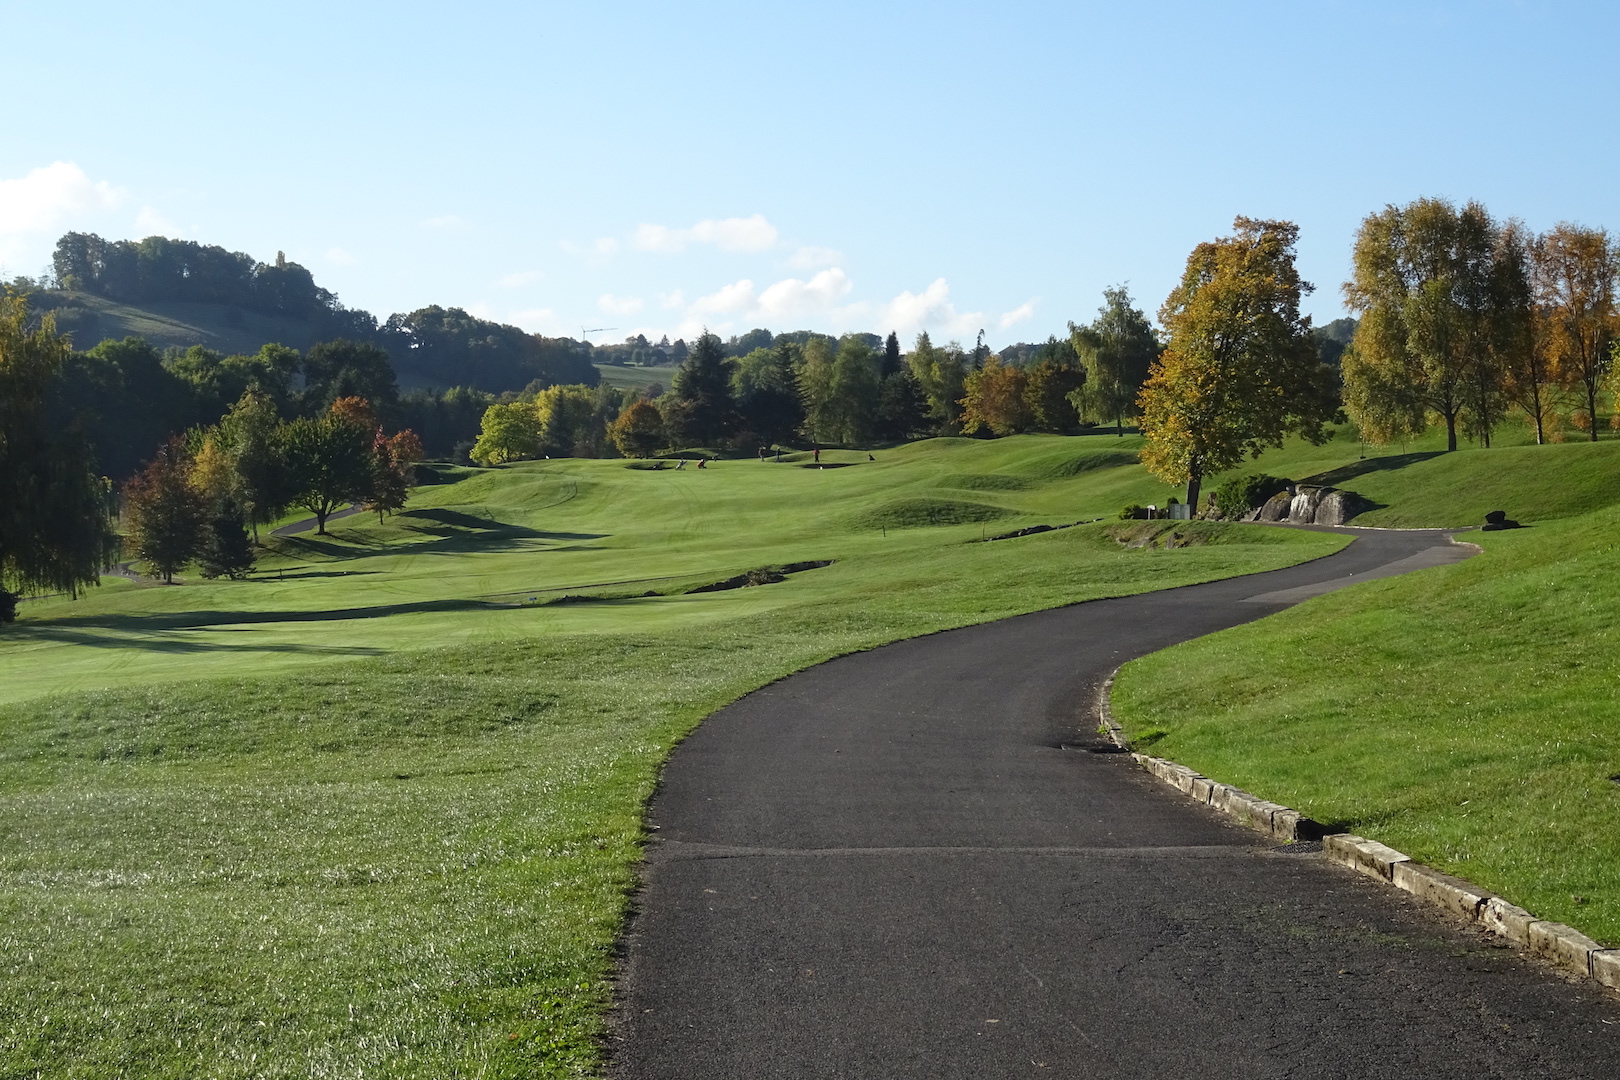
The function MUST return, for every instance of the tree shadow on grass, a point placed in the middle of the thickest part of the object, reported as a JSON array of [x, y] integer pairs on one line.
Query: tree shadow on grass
[[453, 532], [197, 620], [1336, 477]]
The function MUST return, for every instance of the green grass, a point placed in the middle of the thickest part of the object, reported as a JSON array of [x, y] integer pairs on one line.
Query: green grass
[[1464, 715], [375, 812], [636, 378]]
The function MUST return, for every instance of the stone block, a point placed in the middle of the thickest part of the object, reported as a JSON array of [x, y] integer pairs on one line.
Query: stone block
[[1451, 893], [1359, 853], [1508, 920], [1606, 967], [1563, 945]]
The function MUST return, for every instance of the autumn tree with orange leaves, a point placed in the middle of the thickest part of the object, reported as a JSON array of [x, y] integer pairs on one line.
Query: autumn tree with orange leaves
[[1240, 369]]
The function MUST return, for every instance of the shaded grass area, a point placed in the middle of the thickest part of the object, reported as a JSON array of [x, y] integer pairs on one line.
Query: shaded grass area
[[1465, 715], [417, 865]]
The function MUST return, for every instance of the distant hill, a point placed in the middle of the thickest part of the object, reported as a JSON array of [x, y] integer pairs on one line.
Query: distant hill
[[224, 328], [179, 294]]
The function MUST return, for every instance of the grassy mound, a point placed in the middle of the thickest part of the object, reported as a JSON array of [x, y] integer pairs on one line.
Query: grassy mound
[[1465, 715], [984, 482], [915, 513]]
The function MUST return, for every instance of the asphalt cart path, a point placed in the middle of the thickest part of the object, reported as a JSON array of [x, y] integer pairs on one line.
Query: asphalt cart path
[[890, 865]]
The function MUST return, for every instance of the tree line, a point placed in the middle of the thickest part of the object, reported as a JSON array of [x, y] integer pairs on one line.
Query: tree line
[[853, 390], [1463, 320]]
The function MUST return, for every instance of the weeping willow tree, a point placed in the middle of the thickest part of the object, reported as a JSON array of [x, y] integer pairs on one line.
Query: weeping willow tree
[[55, 533]]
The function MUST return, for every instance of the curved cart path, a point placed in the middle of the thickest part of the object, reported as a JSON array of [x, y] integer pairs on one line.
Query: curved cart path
[[887, 866]]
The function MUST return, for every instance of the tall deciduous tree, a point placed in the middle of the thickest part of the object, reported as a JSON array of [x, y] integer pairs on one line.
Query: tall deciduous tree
[[511, 432], [164, 513], [639, 430], [1434, 285], [54, 530], [1576, 270], [1117, 349], [941, 372], [1240, 369], [250, 433], [330, 462], [996, 397]]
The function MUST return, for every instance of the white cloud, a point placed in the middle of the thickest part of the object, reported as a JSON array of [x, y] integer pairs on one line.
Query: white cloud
[[1019, 313], [520, 279], [151, 223], [787, 301], [930, 309], [339, 257], [795, 299], [815, 258], [672, 300], [738, 296], [728, 234], [46, 197], [619, 305], [447, 221]]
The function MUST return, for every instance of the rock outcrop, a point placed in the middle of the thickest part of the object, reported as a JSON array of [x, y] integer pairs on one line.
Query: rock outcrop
[[1305, 504]]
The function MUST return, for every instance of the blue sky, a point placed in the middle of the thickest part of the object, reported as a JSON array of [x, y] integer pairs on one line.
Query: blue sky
[[835, 166]]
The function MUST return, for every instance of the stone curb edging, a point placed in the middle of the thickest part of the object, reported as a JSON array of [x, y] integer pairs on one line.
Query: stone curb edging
[[1563, 946]]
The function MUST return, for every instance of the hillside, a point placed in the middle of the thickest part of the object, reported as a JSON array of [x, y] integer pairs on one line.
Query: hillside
[[223, 328]]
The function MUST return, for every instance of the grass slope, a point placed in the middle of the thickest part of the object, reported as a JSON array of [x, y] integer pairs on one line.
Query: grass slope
[[1465, 715], [89, 319], [378, 815], [636, 378]]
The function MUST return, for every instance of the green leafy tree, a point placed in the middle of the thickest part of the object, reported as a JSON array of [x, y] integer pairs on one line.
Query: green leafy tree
[[1240, 370], [848, 414], [638, 431], [250, 431], [766, 387], [941, 373], [902, 408], [164, 512], [570, 421], [705, 412], [1117, 349], [54, 530], [1050, 389], [1435, 287], [511, 432], [330, 462], [340, 369]]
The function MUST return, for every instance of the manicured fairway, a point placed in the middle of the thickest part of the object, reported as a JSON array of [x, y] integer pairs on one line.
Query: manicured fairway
[[378, 816]]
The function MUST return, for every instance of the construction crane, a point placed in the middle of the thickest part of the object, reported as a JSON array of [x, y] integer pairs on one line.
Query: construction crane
[[595, 330]]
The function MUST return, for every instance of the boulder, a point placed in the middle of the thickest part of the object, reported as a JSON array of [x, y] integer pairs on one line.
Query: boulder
[[1337, 507], [1497, 520], [1302, 508], [1276, 508]]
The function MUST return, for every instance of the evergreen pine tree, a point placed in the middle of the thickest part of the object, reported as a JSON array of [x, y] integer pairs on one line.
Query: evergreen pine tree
[[226, 549]]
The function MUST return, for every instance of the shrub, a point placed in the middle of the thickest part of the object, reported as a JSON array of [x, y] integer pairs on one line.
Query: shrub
[[1240, 494]]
